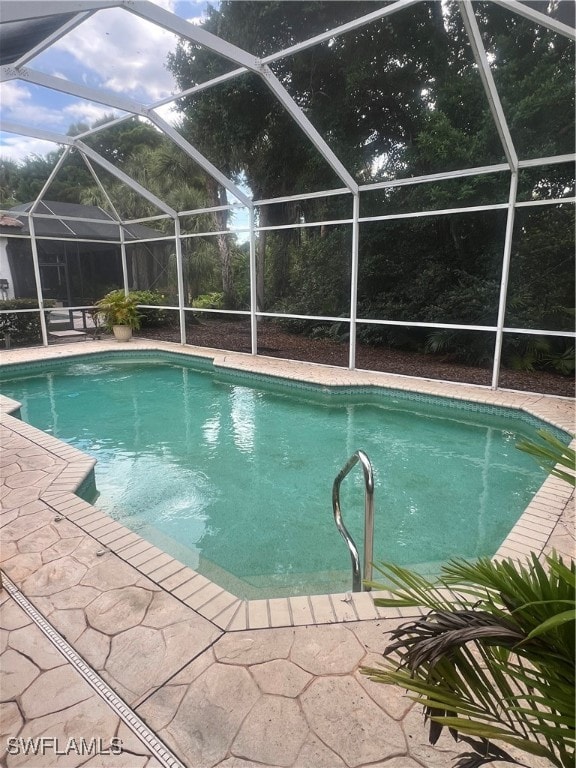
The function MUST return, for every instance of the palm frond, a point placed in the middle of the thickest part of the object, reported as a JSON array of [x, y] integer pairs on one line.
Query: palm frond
[[552, 455], [494, 656]]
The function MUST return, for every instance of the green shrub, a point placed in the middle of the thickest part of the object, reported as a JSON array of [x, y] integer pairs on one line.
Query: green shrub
[[118, 309], [534, 353], [152, 318], [21, 327], [214, 300]]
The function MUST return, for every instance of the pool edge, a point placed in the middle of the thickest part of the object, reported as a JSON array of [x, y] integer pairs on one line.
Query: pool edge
[[531, 533]]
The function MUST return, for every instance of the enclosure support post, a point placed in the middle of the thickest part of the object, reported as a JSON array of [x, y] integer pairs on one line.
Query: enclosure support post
[[354, 281], [39, 292], [492, 95], [180, 277], [504, 279], [124, 261], [34, 245], [253, 284]]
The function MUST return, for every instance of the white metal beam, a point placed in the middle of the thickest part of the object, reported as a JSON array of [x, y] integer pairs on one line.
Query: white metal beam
[[196, 34], [541, 332], [330, 34], [192, 152], [543, 161], [304, 196], [494, 103], [253, 287], [200, 87], [35, 133], [104, 126], [124, 261], [37, 279], [133, 107], [354, 257], [88, 152], [506, 258], [53, 38], [523, 9], [99, 160], [169, 21], [298, 115], [101, 188], [180, 280], [361, 21], [73, 89], [433, 177], [16, 10], [50, 178]]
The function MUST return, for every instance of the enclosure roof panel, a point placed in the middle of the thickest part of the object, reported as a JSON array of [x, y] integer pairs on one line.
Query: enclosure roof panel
[[20, 37], [60, 226], [31, 27]]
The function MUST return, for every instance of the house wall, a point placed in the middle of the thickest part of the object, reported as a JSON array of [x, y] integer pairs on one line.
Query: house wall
[[5, 271]]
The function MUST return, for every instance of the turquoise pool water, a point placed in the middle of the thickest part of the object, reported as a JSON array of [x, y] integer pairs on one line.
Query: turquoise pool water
[[236, 481]]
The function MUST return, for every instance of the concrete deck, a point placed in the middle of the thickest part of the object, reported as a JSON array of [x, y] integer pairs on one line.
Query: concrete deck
[[108, 645]]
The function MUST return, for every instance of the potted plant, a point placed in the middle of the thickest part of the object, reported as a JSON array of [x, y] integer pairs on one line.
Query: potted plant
[[118, 313]]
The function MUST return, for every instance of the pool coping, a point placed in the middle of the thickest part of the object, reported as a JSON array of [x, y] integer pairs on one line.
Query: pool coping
[[532, 532]]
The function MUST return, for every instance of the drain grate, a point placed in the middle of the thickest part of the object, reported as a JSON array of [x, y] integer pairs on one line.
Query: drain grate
[[136, 725]]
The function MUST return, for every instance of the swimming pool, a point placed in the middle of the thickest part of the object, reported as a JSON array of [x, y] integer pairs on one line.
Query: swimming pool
[[236, 480]]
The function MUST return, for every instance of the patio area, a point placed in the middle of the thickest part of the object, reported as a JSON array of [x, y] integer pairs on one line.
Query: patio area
[[115, 654]]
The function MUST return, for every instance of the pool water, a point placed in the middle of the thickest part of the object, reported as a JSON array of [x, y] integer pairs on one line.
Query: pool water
[[236, 482]]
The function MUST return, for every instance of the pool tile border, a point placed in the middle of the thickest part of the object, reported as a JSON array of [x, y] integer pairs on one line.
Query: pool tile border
[[325, 380], [532, 532]]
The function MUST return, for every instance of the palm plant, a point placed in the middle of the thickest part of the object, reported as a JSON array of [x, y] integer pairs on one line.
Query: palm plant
[[493, 659], [117, 308], [551, 454]]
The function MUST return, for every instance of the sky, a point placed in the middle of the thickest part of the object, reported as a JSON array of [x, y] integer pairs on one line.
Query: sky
[[113, 50]]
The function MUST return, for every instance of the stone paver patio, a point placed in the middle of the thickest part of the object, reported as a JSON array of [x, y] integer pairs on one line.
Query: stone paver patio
[[216, 680]]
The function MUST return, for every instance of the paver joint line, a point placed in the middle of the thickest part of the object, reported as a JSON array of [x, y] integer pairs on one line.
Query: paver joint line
[[97, 684]]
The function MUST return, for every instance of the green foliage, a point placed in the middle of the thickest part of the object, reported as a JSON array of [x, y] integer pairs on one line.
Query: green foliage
[[541, 286], [550, 452], [214, 300], [118, 309], [201, 267], [470, 347], [493, 659], [119, 144], [396, 98], [21, 327], [152, 318], [318, 274], [531, 353], [9, 181]]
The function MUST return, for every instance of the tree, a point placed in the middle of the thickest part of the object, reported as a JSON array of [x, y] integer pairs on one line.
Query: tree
[[9, 181], [245, 131]]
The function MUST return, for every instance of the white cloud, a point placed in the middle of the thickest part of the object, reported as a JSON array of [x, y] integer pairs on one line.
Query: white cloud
[[86, 112], [20, 147], [20, 106], [113, 50], [170, 113], [123, 53], [14, 95]]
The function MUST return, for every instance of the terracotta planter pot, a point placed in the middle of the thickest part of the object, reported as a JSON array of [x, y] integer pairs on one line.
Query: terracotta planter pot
[[122, 332]]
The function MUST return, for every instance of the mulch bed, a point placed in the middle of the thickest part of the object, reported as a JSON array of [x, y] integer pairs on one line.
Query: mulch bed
[[273, 341]]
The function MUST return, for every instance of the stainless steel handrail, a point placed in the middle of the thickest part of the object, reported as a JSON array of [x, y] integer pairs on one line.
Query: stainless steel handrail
[[361, 457]]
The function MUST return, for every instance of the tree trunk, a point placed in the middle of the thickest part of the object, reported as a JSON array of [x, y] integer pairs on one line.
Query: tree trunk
[[261, 258], [282, 213], [217, 195]]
